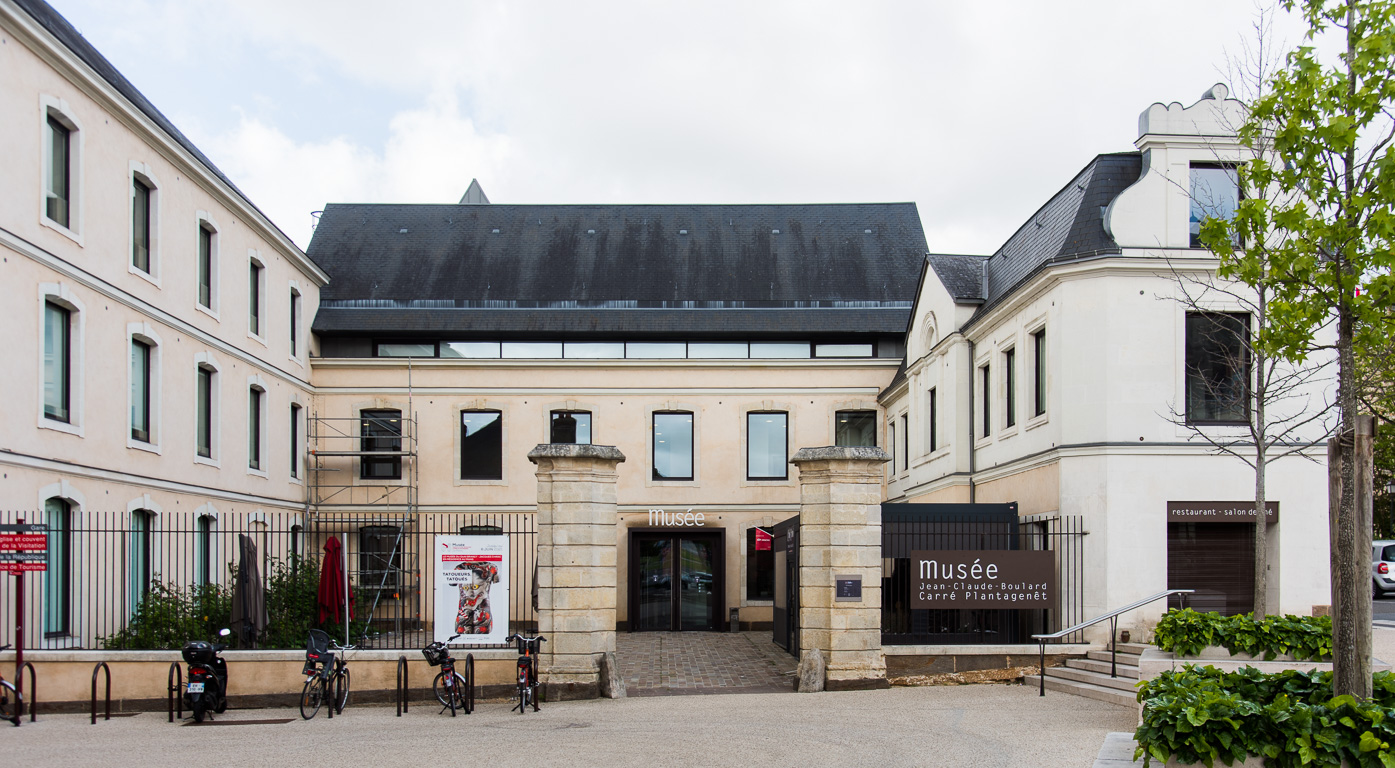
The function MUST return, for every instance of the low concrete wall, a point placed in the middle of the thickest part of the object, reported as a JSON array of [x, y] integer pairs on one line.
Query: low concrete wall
[[255, 678], [905, 660]]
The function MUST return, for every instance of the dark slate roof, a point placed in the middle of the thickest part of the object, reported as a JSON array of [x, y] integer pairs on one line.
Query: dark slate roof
[[961, 275], [618, 268], [69, 37], [1069, 226]]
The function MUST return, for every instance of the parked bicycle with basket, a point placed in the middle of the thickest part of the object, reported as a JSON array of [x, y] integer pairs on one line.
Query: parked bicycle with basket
[[528, 649], [453, 690], [326, 675]]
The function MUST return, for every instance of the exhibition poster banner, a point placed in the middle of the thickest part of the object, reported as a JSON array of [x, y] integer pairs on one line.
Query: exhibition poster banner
[[983, 578], [472, 589]]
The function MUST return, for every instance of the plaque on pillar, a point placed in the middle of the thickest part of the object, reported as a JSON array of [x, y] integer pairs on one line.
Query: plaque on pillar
[[847, 589]]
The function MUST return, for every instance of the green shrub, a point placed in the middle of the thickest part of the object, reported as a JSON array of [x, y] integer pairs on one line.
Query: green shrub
[[1187, 632], [1204, 715], [170, 616]]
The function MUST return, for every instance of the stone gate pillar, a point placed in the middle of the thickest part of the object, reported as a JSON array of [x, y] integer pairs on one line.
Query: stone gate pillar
[[576, 565], [840, 535]]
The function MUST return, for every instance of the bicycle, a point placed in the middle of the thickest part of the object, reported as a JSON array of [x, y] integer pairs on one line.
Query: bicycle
[[326, 676], [452, 690], [528, 649], [11, 701]]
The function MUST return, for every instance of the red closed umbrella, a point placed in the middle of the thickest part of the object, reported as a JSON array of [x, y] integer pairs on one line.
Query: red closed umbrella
[[330, 597]]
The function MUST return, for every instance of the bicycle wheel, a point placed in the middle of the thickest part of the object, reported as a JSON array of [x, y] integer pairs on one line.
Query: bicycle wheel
[[312, 697], [11, 703], [341, 691]]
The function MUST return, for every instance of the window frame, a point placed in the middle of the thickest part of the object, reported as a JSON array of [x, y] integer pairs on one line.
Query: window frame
[[869, 414], [654, 475], [932, 416], [294, 440], [1233, 168], [53, 110], [1246, 397], [460, 453], [552, 418], [370, 440], [986, 390], [256, 426], [785, 449], [61, 297], [296, 310], [140, 569], [256, 297], [207, 249], [1039, 354], [756, 564], [209, 398], [140, 392], [58, 575], [905, 442], [1009, 388], [61, 408]]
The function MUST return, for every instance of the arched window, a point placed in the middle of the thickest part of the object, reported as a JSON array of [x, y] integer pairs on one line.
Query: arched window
[[58, 584]]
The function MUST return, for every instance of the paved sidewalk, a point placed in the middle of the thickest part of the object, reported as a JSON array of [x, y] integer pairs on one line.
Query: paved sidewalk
[[678, 663], [959, 726]]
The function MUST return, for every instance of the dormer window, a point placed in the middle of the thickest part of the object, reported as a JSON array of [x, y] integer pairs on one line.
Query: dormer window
[[1215, 194]]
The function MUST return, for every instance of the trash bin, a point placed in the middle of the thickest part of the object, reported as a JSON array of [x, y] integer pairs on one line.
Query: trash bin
[[735, 620]]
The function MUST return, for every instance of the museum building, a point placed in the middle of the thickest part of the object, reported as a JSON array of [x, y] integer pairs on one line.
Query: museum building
[[183, 367]]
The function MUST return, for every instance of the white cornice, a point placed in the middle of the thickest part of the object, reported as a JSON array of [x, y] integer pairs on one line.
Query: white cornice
[[26, 30]]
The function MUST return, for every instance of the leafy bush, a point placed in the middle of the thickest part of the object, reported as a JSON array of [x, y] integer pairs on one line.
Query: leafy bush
[[170, 616], [1201, 714], [1187, 632], [290, 603]]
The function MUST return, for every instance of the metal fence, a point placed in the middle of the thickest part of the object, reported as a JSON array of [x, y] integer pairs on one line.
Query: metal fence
[[142, 580], [903, 533]]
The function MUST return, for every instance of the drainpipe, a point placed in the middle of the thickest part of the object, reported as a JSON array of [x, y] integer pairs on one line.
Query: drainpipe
[[972, 468]]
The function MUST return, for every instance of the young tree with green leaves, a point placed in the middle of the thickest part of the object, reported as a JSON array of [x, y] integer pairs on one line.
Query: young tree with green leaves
[[1317, 232]]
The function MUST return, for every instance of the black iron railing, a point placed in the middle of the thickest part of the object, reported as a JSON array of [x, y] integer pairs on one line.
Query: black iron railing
[[1113, 618]]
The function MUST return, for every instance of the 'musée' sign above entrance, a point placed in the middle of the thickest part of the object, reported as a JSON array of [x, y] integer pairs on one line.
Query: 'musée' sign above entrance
[[983, 578], [683, 519]]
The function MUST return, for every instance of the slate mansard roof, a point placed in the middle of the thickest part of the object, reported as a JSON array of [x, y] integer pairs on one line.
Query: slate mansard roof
[[1068, 227], [617, 269]]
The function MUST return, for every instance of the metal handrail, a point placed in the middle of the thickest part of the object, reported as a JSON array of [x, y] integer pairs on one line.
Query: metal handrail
[[1113, 618]]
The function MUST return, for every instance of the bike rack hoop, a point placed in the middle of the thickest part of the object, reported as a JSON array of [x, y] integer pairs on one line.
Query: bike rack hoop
[[176, 690], [101, 666], [402, 683], [469, 682], [33, 689]]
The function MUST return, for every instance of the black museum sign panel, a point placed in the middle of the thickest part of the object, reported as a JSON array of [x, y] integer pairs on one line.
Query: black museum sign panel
[[983, 578], [1220, 512]]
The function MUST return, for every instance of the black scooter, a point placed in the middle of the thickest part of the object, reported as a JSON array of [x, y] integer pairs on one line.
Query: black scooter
[[207, 688]]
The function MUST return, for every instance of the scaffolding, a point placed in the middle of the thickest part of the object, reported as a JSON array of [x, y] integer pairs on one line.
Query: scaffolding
[[363, 485]]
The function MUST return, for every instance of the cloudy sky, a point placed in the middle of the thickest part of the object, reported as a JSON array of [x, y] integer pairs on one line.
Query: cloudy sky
[[976, 111]]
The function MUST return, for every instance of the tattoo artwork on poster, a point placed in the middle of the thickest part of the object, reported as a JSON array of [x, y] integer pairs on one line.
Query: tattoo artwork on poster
[[471, 589]]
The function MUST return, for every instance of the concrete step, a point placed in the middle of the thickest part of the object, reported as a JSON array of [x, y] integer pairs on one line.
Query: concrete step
[[1102, 667], [1123, 658], [1134, 648], [1088, 690], [1120, 683]]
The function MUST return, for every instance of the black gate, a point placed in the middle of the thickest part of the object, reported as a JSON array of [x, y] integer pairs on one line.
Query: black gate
[[911, 527], [785, 542]]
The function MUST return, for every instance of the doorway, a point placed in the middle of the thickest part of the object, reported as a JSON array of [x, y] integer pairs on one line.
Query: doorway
[[676, 581]]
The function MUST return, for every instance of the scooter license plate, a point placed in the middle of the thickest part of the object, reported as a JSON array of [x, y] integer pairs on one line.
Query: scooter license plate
[[195, 687]]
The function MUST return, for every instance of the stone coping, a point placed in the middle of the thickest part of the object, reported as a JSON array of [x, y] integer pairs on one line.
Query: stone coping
[[1021, 649], [840, 453], [570, 451], [94, 656]]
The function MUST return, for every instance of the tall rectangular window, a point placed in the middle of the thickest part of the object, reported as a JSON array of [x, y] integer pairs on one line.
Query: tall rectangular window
[[760, 565], [1218, 368], [673, 445], [379, 556], [205, 266], [140, 391], [204, 417], [1039, 385], [254, 298], [1215, 194], [57, 362], [855, 429], [987, 401], [932, 413], [254, 428], [570, 428], [58, 174], [140, 566], [481, 445], [140, 226], [295, 440], [905, 442], [58, 581], [295, 324], [380, 431], [1010, 384], [767, 445], [891, 443]]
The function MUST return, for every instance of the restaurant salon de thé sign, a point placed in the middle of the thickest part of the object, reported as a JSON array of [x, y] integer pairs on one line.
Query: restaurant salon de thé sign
[[1220, 512], [984, 578]]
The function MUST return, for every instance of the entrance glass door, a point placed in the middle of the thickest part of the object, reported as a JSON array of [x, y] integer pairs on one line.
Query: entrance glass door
[[675, 581]]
